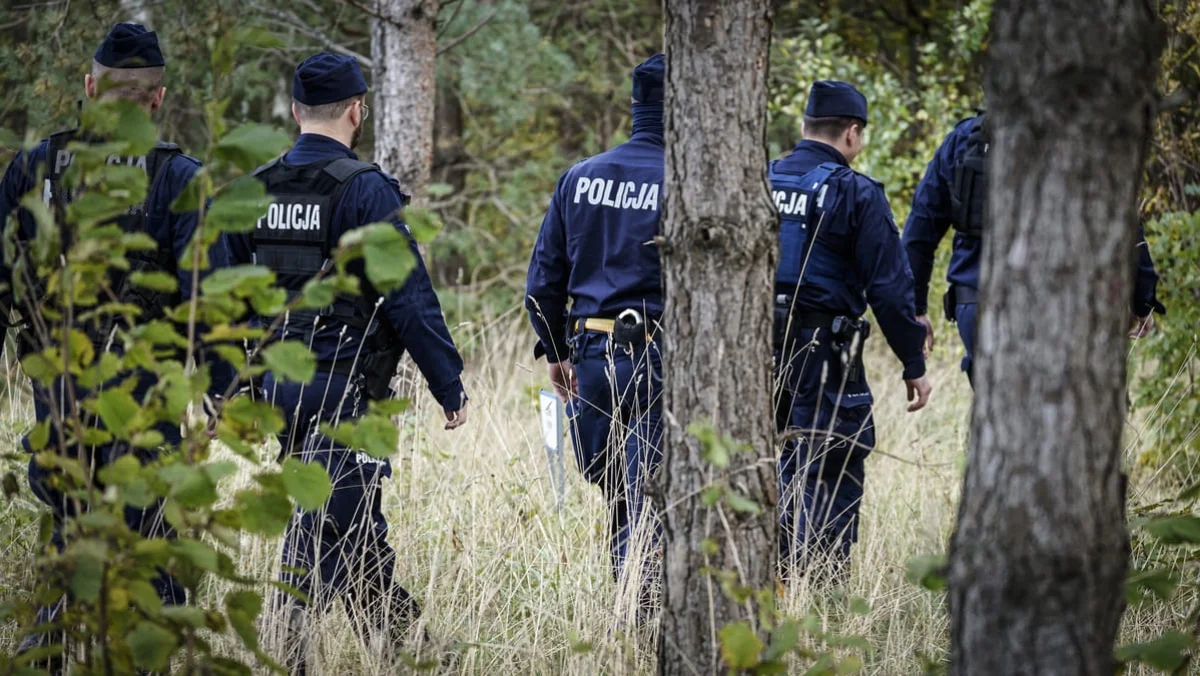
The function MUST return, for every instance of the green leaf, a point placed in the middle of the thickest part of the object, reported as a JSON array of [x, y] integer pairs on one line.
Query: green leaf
[[121, 121], [307, 483], [740, 646], [251, 145], [152, 646], [438, 190], [238, 206], [12, 487], [155, 281], [197, 553], [377, 436], [783, 640], [243, 608], [1142, 584], [424, 224], [237, 278], [859, 606], [1174, 530], [1166, 652], [264, 513], [388, 407], [711, 495], [187, 615], [40, 367], [118, 410], [386, 251], [713, 449], [290, 360], [190, 486], [39, 436], [87, 570], [928, 572], [318, 293], [145, 596], [261, 38], [740, 503]]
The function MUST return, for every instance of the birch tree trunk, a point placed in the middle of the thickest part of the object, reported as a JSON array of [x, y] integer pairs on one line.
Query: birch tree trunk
[[719, 255], [404, 53], [1040, 552]]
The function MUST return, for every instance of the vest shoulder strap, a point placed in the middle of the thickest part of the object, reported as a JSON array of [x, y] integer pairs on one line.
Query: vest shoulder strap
[[267, 167], [345, 168]]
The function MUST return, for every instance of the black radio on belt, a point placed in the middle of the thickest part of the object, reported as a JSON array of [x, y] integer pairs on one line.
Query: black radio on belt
[[849, 335], [629, 329]]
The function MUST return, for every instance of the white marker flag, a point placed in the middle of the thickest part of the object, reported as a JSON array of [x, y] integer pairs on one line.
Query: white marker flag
[[552, 437]]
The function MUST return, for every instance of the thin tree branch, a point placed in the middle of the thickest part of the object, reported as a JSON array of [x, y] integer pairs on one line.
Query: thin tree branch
[[465, 36], [290, 19]]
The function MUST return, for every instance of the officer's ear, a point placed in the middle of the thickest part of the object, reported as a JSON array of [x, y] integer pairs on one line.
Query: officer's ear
[[295, 115], [89, 86], [156, 100]]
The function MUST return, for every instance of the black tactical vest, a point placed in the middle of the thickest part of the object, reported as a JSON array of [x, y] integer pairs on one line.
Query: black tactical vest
[[968, 192], [56, 196], [295, 237]]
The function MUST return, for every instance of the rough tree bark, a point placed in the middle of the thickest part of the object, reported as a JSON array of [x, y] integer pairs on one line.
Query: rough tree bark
[[719, 255], [1040, 552], [404, 53]]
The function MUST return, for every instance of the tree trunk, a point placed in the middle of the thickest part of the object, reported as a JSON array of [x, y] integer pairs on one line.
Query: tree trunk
[[719, 251], [404, 52], [1040, 552]]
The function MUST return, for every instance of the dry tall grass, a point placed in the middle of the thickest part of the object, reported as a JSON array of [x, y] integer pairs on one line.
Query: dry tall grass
[[511, 586]]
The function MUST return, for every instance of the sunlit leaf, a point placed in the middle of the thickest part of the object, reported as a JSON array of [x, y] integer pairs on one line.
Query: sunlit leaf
[[307, 483]]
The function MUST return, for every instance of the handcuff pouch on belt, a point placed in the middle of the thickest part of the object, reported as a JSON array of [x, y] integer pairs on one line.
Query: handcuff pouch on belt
[[629, 330], [949, 303], [849, 336]]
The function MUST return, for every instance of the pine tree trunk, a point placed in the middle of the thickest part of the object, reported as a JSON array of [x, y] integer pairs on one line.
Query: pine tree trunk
[[404, 53], [1040, 552], [719, 255]]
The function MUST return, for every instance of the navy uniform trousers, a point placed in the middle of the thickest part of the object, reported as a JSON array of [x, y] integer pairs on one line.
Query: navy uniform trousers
[[340, 551], [616, 427], [821, 468], [147, 521], [964, 318]]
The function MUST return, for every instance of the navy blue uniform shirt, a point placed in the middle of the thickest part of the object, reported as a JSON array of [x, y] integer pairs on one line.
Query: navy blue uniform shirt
[[596, 247], [412, 311], [878, 273], [161, 224], [931, 216]]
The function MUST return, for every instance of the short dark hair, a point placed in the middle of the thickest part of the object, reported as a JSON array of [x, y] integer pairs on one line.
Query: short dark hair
[[325, 112], [135, 84], [829, 127]]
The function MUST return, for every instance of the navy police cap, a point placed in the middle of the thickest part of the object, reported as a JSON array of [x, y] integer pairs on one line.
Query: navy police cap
[[129, 45], [833, 98], [327, 78], [648, 80]]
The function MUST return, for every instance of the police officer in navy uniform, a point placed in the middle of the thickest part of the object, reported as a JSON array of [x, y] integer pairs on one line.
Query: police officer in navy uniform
[[594, 295], [952, 194], [840, 251], [128, 65], [322, 191]]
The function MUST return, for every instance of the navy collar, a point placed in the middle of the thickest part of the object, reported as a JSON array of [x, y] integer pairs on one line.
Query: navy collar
[[818, 148], [314, 147]]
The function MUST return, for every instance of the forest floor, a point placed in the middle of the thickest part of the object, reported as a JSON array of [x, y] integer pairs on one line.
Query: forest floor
[[512, 585]]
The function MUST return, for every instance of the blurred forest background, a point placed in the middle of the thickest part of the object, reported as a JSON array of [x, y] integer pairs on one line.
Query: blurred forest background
[[527, 88]]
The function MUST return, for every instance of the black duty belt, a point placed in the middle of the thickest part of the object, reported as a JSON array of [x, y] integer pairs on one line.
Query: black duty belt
[[965, 295]]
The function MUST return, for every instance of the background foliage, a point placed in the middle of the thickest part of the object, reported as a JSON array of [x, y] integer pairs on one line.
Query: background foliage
[[528, 87]]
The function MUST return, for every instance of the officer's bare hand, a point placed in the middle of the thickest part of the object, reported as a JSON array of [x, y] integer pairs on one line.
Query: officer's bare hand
[[457, 419], [1142, 326], [562, 376], [918, 389], [923, 320]]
